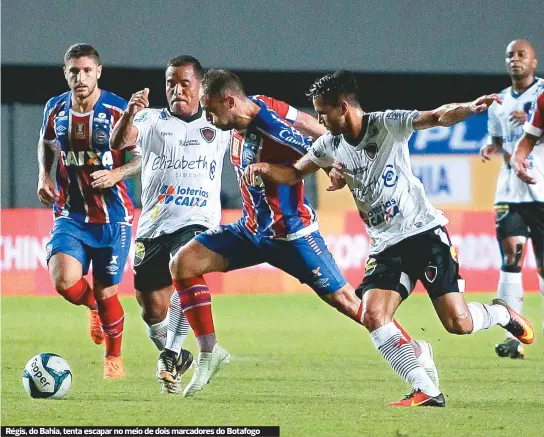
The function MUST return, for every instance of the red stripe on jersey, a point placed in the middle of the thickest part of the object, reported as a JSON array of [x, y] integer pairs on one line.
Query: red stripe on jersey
[[538, 117], [79, 141], [49, 133], [304, 214], [251, 222], [119, 158], [281, 108], [271, 194]]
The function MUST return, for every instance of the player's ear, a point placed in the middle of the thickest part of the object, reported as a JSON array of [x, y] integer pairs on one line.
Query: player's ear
[[99, 71], [230, 101], [344, 105]]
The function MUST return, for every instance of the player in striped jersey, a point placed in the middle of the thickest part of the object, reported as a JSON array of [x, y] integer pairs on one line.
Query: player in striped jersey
[[92, 209]]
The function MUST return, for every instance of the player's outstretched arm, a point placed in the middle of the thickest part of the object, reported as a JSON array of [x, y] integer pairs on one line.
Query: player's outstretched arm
[[309, 125], [284, 174], [452, 113], [125, 133], [519, 162]]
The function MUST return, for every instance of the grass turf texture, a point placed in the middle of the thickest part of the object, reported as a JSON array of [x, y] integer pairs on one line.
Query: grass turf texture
[[297, 364]]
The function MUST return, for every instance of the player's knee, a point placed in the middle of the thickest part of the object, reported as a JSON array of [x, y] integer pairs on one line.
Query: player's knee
[[458, 325], [63, 283]]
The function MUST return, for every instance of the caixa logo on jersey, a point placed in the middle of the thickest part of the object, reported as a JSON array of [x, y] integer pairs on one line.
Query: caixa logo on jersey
[[87, 157], [182, 196], [383, 213]]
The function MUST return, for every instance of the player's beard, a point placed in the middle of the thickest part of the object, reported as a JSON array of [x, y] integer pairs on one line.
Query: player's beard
[[84, 92]]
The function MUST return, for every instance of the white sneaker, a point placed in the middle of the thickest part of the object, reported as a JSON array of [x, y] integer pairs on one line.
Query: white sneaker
[[207, 365], [426, 360]]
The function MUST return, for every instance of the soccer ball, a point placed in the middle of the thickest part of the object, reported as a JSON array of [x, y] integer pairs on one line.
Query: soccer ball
[[47, 376]]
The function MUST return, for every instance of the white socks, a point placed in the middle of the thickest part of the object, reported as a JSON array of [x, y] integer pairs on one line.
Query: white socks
[[400, 355], [157, 333], [485, 316], [178, 326], [511, 291]]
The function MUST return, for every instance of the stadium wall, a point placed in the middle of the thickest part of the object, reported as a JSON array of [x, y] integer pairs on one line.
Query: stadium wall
[[25, 232]]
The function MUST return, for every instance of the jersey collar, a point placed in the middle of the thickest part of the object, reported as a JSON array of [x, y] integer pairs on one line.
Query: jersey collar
[[516, 95], [364, 129], [193, 117]]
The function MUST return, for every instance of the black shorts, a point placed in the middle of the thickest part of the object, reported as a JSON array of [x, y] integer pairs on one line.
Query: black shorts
[[152, 257], [428, 257], [520, 220]]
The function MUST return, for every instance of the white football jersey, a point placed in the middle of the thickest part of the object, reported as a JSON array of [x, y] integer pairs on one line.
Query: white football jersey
[[511, 189], [390, 199], [181, 171]]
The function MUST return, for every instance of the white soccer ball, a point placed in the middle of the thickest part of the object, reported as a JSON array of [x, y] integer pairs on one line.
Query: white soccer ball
[[47, 376]]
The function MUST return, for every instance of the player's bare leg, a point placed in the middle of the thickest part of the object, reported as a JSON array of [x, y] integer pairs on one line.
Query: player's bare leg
[[459, 317], [378, 309], [510, 289], [154, 305], [67, 275], [346, 301], [112, 317], [187, 267]]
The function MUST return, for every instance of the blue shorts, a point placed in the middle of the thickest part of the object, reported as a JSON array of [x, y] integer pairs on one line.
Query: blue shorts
[[306, 258], [106, 245]]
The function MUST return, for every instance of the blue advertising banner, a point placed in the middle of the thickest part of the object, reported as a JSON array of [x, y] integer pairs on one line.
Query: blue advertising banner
[[463, 138]]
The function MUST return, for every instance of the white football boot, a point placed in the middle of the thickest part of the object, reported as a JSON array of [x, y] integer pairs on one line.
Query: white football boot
[[426, 360], [207, 365]]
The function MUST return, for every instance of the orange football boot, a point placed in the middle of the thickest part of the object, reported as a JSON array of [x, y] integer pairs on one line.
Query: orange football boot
[[419, 399], [518, 326], [113, 367], [95, 327]]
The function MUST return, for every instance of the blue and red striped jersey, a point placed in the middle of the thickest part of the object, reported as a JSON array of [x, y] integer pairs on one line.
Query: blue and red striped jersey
[[272, 210], [83, 144]]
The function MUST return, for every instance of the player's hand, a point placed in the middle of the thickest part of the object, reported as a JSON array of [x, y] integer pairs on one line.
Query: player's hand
[[138, 101], [482, 104], [487, 150], [520, 169], [336, 175], [106, 178], [517, 117], [47, 192], [253, 173]]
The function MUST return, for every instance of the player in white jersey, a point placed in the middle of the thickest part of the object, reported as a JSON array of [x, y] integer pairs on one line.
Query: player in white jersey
[[519, 207], [369, 152], [182, 159]]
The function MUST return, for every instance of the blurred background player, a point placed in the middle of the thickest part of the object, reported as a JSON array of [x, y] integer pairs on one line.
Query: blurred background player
[[519, 207], [369, 151], [93, 212], [278, 224], [181, 185]]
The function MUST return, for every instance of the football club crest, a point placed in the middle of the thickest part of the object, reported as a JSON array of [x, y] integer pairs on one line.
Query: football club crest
[[100, 136], [208, 134], [431, 272]]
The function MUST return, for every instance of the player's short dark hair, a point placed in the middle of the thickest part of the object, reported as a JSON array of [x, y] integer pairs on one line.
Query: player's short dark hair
[[79, 50], [216, 82], [335, 87], [183, 60]]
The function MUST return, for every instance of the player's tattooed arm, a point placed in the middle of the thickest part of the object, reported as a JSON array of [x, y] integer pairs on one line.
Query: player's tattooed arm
[[47, 192], [108, 178], [283, 174], [125, 133], [452, 113]]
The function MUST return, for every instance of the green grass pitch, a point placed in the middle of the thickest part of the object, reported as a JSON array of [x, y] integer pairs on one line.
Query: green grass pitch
[[297, 364]]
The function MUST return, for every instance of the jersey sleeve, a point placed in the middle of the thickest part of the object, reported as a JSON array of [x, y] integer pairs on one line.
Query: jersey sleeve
[[535, 125], [47, 131], [283, 109], [399, 122], [320, 154], [144, 122], [269, 123], [494, 128]]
